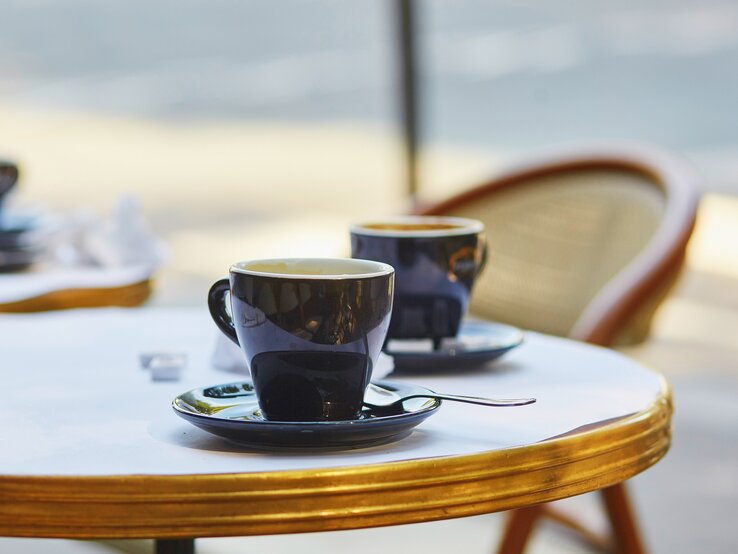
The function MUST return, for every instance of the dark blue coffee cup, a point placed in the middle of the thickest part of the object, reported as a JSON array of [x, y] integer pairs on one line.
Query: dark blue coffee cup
[[311, 331], [436, 261]]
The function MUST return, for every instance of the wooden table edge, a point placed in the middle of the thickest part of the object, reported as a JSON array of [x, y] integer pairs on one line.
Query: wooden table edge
[[125, 296], [351, 497]]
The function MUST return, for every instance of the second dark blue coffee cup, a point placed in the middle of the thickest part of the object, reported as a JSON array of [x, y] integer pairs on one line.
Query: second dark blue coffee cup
[[436, 261]]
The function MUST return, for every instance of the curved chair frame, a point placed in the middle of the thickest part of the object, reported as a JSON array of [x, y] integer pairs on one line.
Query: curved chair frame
[[631, 295], [616, 303]]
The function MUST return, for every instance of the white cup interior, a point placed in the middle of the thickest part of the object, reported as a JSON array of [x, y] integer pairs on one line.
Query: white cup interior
[[418, 226], [315, 268]]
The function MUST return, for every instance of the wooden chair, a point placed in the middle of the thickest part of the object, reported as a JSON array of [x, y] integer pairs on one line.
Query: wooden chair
[[584, 245]]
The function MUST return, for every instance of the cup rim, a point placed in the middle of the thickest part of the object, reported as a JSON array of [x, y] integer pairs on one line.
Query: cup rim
[[463, 226], [380, 268]]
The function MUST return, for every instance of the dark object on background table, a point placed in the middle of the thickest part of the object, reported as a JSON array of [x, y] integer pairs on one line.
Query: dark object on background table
[[17, 259], [17, 230], [478, 343], [20, 245], [232, 411], [17, 251]]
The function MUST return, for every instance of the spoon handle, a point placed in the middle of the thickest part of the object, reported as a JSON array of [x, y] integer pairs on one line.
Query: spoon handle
[[476, 399]]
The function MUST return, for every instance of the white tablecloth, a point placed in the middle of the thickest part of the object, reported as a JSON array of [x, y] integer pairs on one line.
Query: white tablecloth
[[76, 402]]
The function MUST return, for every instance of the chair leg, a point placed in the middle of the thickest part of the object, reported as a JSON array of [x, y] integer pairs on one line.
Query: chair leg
[[625, 533], [625, 536], [518, 529], [596, 541]]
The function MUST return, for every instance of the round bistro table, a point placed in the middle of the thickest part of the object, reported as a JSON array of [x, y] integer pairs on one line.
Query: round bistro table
[[92, 448]]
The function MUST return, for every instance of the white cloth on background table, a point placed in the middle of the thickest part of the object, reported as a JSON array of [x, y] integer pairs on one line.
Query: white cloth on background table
[[84, 250]]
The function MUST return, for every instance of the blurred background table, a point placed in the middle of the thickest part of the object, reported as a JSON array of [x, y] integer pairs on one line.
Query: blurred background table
[[98, 291], [95, 450]]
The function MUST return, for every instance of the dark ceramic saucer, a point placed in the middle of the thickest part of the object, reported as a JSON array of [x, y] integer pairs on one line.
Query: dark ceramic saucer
[[231, 411], [477, 343]]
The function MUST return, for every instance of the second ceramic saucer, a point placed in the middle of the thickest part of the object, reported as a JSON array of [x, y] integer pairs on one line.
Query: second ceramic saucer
[[477, 343]]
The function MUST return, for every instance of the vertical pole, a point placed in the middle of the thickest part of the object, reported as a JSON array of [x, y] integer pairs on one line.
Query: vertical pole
[[407, 52], [175, 546]]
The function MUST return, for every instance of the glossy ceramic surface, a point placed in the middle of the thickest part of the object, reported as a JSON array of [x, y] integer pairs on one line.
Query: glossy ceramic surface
[[20, 241], [310, 340], [435, 265], [477, 343], [232, 411]]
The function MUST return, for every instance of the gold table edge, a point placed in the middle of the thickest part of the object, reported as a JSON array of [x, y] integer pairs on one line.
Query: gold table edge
[[408, 491]]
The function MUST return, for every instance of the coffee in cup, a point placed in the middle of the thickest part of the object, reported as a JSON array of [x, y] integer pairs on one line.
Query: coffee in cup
[[436, 260], [311, 331]]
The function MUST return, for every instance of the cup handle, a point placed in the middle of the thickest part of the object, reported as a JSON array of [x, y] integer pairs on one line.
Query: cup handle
[[483, 260], [217, 305]]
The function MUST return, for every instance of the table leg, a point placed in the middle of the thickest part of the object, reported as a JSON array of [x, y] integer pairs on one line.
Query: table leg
[[518, 529], [175, 546]]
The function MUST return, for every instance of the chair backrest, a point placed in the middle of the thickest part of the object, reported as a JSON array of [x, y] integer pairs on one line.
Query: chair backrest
[[583, 245]]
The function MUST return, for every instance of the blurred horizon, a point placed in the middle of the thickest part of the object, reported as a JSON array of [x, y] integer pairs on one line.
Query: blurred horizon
[[248, 128], [505, 77]]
